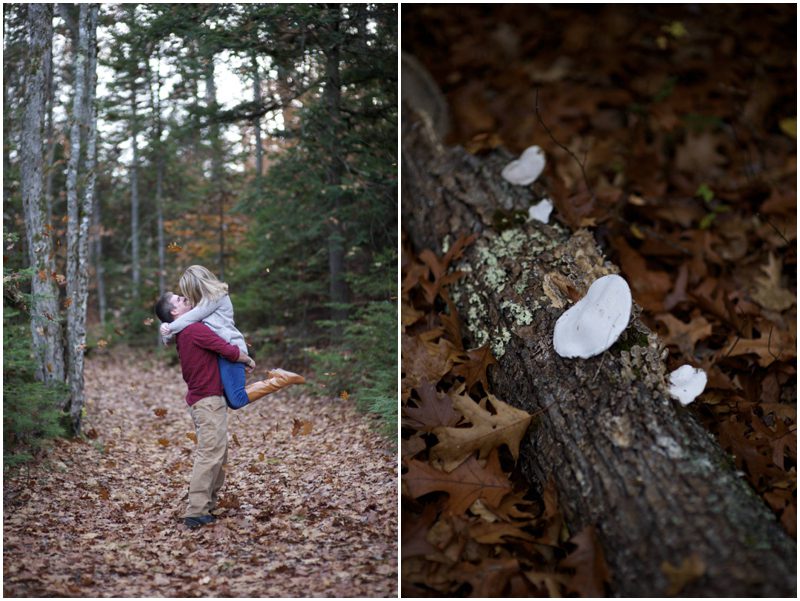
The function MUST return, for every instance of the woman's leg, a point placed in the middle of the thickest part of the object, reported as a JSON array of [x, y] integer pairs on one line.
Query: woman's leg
[[276, 380], [233, 379]]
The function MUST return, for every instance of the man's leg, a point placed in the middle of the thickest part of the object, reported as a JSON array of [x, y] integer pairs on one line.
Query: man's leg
[[210, 417]]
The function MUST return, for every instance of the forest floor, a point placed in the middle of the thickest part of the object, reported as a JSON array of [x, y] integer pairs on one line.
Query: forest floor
[[309, 507]]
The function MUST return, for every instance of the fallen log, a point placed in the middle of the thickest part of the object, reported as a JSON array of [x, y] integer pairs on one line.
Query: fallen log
[[625, 457]]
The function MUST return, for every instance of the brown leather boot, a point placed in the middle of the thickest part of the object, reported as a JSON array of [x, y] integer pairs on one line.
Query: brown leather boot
[[278, 379]]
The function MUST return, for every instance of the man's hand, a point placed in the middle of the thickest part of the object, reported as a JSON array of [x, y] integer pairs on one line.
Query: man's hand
[[165, 331], [250, 366]]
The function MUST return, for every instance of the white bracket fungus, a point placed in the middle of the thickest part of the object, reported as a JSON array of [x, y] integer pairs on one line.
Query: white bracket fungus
[[541, 211], [686, 383], [595, 322], [526, 169]]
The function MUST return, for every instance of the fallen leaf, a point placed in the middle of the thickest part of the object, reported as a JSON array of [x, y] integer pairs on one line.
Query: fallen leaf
[[591, 570], [506, 426], [467, 483], [684, 335], [691, 568], [433, 409], [770, 292]]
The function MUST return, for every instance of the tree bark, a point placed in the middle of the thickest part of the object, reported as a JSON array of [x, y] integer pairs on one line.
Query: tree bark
[[48, 346], [74, 352], [257, 122], [332, 96], [625, 457], [80, 215], [134, 176], [155, 110], [217, 170]]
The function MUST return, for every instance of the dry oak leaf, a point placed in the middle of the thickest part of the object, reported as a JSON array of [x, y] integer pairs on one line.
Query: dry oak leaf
[[769, 292], [475, 369], [424, 361], [493, 533], [300, 426], [772, 345], [685, 335], [692, 568], [464, 485], [591, 570], [506, 426], [434, 409]]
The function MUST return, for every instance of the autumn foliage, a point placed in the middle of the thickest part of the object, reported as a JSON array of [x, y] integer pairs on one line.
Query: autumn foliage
[[470, 524]]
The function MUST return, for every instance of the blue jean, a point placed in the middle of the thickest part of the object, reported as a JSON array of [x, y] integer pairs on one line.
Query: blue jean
[[232, 375]]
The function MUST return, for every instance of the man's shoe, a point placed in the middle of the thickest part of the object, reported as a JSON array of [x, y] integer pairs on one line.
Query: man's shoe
[[277, 379], [200, 520]]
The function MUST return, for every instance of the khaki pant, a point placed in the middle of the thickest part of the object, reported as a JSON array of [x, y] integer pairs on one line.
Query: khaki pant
[[210, 416]]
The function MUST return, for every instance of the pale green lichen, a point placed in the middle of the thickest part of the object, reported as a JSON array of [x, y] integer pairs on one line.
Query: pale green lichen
[[500, 341], [521, 315], [446, 244]]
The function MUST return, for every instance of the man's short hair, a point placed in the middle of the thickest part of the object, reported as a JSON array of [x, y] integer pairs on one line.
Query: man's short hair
[[164, 307]]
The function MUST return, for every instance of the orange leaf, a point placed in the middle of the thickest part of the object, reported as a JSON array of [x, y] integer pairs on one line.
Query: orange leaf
[[464, 485], [160, 412], [192, 436], [591, 570], [174, 247], [164, 442]]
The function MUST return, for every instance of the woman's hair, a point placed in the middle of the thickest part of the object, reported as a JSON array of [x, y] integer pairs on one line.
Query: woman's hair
[[198, 284]]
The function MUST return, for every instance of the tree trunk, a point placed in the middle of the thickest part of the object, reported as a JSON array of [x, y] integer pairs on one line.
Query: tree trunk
[[625, 457], [99, 271], [332, 95], [257, 122], [216, 160], [155, 109], [50, 141], [87, 120], [74, 351], [48, 346], [135, 273]]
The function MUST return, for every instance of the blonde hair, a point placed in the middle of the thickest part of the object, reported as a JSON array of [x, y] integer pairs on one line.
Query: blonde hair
[[198, 284]]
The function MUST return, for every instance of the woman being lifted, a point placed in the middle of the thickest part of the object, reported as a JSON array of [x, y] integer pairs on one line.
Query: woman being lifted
[[212, 305]]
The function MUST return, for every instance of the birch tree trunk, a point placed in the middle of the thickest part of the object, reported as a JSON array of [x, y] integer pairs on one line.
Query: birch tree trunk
[[74, 364], [80, 211], [624, 456], [48, 345]]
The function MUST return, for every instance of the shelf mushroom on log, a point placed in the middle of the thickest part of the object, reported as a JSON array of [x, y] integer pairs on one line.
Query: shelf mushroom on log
[[626, 458]]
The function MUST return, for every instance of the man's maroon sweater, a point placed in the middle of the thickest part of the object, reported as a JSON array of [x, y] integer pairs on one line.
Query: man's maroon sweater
[[198, 348]]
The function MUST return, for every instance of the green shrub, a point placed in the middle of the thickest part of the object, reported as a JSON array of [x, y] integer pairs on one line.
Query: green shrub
[[365, 363], [31, 414]]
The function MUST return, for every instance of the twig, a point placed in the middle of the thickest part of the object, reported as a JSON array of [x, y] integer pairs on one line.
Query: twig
[[567, 150]]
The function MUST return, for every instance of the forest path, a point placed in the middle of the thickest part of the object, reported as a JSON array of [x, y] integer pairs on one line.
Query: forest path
[[309, 507]]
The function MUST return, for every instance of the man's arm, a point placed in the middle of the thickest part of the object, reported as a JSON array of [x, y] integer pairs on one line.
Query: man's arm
[[207, 339]]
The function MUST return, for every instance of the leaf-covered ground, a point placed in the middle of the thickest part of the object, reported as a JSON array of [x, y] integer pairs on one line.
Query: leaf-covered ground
[[309, 507]]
